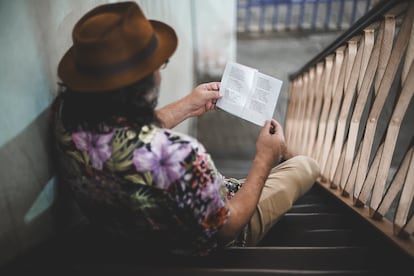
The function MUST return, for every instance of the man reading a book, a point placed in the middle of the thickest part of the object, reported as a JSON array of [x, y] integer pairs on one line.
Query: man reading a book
[[135, 177]]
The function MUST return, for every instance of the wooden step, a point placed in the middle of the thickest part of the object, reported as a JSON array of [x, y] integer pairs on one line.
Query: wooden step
[[313, 208]]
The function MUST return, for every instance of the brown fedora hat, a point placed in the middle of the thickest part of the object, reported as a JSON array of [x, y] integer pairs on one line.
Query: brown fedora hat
[[114, 45]]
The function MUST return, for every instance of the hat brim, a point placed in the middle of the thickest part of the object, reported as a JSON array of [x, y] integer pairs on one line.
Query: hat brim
[[78, 81]]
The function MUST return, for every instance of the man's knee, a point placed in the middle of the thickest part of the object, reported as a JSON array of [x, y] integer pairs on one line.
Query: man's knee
[[307, 165]]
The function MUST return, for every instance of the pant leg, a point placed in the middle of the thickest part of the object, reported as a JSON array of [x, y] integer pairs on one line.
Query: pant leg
[[285, 184]]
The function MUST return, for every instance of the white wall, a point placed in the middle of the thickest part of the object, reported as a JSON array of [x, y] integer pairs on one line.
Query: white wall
[[34, 35], [178, 77], [215, 35]]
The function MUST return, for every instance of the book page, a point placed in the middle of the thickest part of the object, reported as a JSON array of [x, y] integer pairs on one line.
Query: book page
[[236, 84], [262, 99]]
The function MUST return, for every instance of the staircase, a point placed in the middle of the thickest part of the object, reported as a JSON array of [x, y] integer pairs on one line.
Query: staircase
[[318, 236]]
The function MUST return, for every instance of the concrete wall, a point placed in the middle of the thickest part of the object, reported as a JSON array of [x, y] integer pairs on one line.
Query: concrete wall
[[34, 36]]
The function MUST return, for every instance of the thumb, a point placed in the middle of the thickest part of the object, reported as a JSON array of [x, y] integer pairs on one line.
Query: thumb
[[266, 126], [212, 86], [213, 94]]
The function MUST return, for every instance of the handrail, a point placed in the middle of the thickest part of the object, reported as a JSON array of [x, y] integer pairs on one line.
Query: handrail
[[372, 16]]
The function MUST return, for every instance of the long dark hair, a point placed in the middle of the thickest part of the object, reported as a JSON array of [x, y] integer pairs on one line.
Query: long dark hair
[[129, 106]]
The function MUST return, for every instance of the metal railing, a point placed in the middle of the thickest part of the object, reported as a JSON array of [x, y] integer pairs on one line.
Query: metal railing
[[351, 108], [305, 15]]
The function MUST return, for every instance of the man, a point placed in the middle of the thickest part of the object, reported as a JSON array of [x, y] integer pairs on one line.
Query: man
[[135, 177]]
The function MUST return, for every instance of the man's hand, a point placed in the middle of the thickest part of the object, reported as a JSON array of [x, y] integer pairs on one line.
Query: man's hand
[[203, 98], [271, 146]]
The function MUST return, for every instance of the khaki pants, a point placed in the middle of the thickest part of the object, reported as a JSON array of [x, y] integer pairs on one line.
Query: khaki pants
[[285, 184]]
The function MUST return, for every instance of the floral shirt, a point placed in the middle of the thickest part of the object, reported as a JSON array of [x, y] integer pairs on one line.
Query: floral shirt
[[149, 185]]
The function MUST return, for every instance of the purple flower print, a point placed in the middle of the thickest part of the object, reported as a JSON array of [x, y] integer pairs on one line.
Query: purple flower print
[[163, 160], [194, 143], [211, 192], [97, 146]]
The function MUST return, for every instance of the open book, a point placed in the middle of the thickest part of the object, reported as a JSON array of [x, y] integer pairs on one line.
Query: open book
[[248, 94]]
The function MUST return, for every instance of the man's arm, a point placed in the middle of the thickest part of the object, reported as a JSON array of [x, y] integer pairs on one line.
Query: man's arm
[[269, 149], [202, 99], [243, 204]]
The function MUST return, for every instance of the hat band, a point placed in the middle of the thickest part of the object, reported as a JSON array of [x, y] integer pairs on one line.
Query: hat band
[[116, 68]]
